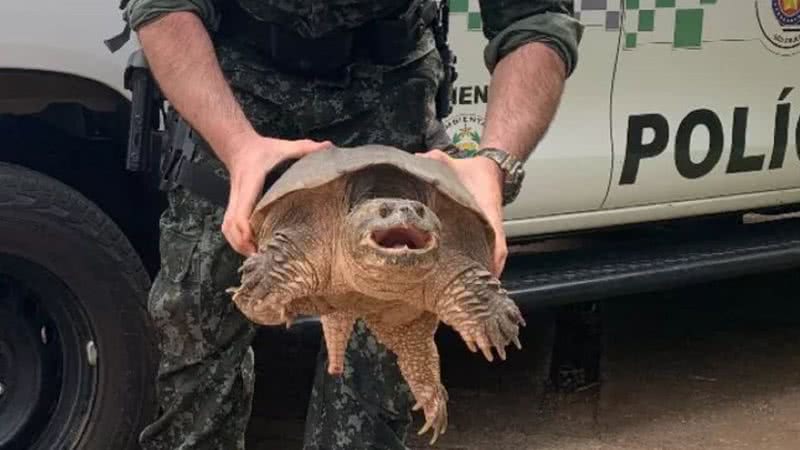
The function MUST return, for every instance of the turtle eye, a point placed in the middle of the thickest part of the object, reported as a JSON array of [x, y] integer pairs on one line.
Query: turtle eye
[[420, 211], [384, 211]]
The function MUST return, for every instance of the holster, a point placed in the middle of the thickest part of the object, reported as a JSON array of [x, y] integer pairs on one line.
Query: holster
[[179, 165], [144, 134], [441, 28]]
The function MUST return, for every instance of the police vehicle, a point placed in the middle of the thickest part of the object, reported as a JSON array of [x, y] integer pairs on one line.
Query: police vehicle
[[674, 158]]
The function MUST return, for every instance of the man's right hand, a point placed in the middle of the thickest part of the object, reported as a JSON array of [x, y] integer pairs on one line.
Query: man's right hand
[[250, 159]]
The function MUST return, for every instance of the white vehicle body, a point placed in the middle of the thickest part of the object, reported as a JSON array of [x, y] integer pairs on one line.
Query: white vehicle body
[[724, 63], [689, 55], [60, 38]]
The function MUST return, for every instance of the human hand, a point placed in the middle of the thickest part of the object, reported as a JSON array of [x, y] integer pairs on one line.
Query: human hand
[[484, 180], [252, 158]]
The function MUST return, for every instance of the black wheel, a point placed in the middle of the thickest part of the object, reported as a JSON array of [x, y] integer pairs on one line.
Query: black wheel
[[77, 355]]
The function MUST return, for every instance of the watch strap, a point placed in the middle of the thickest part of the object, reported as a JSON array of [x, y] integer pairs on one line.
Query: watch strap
[[512, 168], [513, 172]]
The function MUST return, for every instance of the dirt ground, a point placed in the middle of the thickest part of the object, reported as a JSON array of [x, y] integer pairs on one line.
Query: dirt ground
[[703, 367]]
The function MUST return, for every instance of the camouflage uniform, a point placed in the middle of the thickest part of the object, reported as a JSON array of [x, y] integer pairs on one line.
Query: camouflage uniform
[[205, 381]]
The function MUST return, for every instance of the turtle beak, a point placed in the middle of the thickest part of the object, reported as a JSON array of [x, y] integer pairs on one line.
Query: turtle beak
[[398, 226], [402, 238]]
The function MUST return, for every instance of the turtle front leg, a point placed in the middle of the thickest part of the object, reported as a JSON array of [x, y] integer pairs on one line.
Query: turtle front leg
[[281, 279], [474, 303], [413, 344]]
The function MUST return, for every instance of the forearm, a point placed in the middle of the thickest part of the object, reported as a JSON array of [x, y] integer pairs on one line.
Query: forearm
[[183, 61], [524, 94]]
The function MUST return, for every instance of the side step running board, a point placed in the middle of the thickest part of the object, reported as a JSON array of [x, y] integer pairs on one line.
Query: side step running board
[[626, 263]]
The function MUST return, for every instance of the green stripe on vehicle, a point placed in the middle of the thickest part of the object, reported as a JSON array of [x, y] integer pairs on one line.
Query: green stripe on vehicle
[[640, 21]]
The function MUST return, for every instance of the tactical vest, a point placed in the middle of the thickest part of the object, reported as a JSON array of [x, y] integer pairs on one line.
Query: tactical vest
[[309, 19], [321, 37], [306, 35], [315, 18]]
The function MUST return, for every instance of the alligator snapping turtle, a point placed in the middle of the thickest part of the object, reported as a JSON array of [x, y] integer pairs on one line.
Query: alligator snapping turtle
[[379, 234]]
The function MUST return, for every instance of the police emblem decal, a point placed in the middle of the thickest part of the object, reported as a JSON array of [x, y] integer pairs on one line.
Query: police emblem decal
[[465, 130], [787, 12], [779, 22]]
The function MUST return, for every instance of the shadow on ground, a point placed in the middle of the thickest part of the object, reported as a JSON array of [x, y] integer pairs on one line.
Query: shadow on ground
[[712, 367]]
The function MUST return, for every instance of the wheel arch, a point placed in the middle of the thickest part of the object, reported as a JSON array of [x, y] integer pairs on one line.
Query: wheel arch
[[29, 91], [75, 129]]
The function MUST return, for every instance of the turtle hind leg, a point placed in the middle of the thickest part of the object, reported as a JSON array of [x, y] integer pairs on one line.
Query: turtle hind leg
[[413, 344], [337, 328], [475, 304], [276, 278]]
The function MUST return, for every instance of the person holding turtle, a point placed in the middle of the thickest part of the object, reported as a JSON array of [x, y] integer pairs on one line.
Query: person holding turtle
[[263, 82]]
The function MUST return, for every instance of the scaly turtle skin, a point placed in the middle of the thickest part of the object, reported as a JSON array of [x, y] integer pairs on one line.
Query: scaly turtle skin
[[391, 238]]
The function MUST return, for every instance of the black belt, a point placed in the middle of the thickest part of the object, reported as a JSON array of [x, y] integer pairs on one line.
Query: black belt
[[201, 180], [179, 167]]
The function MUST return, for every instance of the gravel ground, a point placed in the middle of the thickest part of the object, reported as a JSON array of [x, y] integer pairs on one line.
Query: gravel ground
[[704, 367]]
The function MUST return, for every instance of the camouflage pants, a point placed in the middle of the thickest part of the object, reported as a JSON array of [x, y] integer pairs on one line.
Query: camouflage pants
[[205, 379]]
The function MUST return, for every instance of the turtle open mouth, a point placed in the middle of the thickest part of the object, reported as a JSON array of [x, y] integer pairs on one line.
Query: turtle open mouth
[[401, 238]]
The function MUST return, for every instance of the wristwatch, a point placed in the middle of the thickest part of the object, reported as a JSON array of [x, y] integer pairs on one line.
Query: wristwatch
[[512, 168]]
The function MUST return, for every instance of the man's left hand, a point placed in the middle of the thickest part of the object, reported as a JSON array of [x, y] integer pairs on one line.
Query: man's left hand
[[484, 180]]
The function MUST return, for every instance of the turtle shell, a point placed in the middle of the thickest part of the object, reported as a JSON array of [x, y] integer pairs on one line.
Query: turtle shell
[[322, 167]]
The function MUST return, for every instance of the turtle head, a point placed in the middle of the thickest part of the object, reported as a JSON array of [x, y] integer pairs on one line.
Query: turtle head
[[391, 237]]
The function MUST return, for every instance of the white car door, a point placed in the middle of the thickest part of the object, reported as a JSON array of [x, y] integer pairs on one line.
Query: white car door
[[64, 37], [569, 171], [702, 110]]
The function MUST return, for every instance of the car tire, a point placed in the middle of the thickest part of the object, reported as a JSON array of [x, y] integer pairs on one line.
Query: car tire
[[77, 351]]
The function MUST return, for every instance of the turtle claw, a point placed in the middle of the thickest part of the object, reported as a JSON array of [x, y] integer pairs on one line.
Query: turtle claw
[[486, 347], [435, 408], [477, 306], [501, 352], [494, 332]]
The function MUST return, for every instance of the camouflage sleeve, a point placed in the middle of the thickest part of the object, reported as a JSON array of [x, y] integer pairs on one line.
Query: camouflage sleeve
[[509, 24], [139, 12]]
